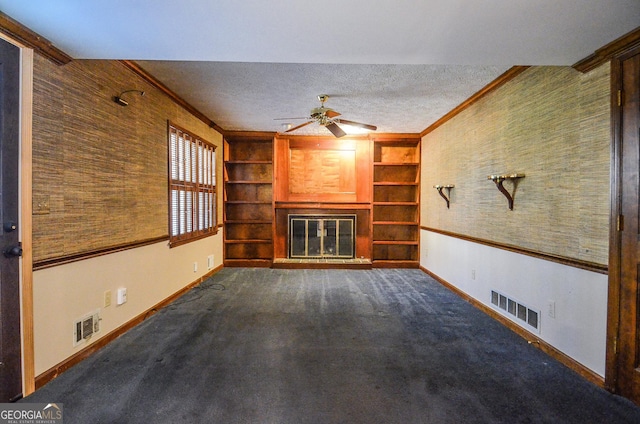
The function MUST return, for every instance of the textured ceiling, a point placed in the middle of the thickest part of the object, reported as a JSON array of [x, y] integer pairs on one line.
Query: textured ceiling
[[397, 64], [250, 96]]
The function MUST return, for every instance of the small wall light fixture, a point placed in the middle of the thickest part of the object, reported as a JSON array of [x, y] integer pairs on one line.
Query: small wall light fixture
[[122, 102]]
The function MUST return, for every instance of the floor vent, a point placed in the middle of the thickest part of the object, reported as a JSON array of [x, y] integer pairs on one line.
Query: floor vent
[[86, 327], [515, 309]]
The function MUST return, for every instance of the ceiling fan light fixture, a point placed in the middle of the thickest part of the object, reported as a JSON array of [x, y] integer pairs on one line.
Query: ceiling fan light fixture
[[353, 127], [328, 118], [353, 130]]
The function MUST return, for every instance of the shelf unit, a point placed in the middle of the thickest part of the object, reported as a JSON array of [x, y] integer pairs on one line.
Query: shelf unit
[[396, 211], [248, 201]]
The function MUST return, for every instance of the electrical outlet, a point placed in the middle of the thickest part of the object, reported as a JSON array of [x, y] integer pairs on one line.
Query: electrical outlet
[[122, 296], [107, 298], [209, 261], [473, 274], [41, 204], [195, 266], [551, 308]]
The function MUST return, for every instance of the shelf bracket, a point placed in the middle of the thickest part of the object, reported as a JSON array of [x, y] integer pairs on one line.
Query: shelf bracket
[[447, 196], [499, 179]]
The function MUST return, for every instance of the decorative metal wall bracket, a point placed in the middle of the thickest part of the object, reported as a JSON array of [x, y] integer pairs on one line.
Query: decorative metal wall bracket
[[499, 179], [448, 195]]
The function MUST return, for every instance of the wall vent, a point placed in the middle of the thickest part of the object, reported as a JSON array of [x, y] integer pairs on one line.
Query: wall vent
[[86, 327], [516, 310]]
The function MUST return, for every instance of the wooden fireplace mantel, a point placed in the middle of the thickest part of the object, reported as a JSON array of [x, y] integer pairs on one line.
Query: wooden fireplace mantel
[[321, 205]]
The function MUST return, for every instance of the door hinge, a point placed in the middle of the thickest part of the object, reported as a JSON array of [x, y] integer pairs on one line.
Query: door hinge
[[619, 98], [620, 223]]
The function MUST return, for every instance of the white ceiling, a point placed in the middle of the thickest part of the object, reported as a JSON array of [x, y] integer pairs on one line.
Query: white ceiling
[[397, 64]]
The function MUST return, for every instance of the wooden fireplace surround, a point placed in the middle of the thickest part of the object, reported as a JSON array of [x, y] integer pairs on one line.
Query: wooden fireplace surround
[[268, 178], [316, 175]]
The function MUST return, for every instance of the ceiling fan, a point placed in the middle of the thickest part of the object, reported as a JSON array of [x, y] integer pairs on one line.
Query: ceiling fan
[[328, 118]]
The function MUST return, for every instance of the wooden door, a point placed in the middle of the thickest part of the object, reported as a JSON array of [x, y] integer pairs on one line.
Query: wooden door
[[628, 336], [10, 250]]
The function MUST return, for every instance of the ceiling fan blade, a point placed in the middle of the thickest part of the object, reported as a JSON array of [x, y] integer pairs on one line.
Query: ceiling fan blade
[[358, 124], [300, 126], [288, 119], [330, 113], [335, 129]]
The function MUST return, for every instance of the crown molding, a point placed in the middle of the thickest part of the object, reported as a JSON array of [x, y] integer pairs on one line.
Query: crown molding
[[137, 69], [492, 86], [604, 54], [27, 38]]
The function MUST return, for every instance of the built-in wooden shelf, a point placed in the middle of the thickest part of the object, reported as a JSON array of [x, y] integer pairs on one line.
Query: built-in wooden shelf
[[249, 182], [396, 189], [398, 242], [251, 263], [396, 263], [248, 212], [403, 164], [409, 223], [394, 183], [248, 221], [249, 241], [395, 203], [249, 162], [247, 202]]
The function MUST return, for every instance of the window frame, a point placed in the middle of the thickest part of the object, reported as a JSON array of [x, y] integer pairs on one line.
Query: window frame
[[196, 157]]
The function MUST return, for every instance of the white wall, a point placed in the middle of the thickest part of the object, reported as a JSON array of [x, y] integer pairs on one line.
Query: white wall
[[580, 296], [151, 273]]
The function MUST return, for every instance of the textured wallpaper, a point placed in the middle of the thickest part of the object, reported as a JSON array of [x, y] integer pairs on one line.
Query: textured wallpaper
[[101, 167], [551, 124]]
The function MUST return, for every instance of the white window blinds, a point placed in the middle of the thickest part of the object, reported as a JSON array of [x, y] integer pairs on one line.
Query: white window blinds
[[192, 182]]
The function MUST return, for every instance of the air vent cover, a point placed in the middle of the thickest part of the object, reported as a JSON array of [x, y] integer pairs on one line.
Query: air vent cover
[[516, 310], [86, 327]]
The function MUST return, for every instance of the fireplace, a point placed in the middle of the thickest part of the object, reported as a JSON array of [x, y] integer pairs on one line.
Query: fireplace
[[321, 236]]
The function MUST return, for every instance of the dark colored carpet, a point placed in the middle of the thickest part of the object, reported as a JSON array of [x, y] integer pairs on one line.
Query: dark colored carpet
[[326, 346]]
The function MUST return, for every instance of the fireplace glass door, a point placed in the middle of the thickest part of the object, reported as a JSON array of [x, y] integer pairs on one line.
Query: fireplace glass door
[[313, 236]]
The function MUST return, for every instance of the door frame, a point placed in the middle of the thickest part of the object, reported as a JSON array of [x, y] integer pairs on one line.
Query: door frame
[[616, 223], [25, 206]]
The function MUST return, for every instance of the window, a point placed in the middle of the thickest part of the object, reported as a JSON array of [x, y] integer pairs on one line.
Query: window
[[192, 186]]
